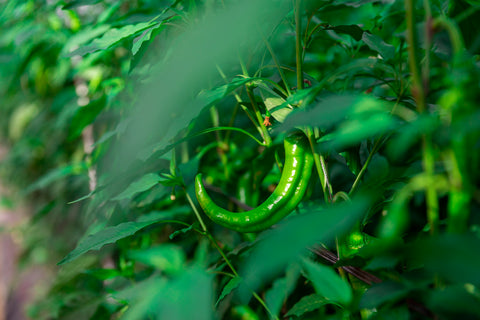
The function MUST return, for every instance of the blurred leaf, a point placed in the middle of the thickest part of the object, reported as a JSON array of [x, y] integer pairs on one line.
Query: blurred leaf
[[285, 244], [85, 116], [76, 3], [167, 258], [58, 174], [231, 285], [144, 183], [325, 113], [454, 302], [278, 294], [113, 37], [455, 258], [103, 274], [210, 97], [327, 283], [376, 43], [381, 293], [187, 296], [112, 234], [392, 313], [306, 304]]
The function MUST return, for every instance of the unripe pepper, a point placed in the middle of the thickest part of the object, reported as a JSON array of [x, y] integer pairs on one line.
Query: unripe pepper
[[286, 196]]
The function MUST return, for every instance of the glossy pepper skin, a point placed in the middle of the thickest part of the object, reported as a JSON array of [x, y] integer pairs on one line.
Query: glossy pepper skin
[[286, 196]]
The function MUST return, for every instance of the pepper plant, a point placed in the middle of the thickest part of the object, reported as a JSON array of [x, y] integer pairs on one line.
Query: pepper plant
[[111, 109]]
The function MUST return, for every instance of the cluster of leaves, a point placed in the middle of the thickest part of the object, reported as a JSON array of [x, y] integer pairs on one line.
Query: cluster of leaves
[[111, 109]]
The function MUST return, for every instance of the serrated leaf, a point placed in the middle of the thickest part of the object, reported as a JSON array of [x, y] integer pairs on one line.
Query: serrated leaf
[[229, 287], [327, 283], [112, 234], [307, 304], [374, 42], [143, 184], [112, 37]]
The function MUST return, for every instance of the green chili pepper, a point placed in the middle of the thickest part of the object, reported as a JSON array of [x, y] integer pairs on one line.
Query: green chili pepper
[[286, 196]]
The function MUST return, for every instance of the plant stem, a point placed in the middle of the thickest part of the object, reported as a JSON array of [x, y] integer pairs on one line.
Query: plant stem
[[321, 167], [265, 134], [418, 92], [239, 101], [197, 214], [298, 43], [365, 166]]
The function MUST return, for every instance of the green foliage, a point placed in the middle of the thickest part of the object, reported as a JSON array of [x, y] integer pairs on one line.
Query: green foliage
[[110, 109]]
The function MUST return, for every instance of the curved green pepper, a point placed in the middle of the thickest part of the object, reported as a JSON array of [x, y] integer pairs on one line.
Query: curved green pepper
[[286, 196]]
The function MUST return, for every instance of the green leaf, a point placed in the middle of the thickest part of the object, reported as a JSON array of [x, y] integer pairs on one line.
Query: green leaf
[[165, 257], [307, 304], [374, 42], [113, 37], [143, 184], [112, 234], [229, 287], [327, 283]]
